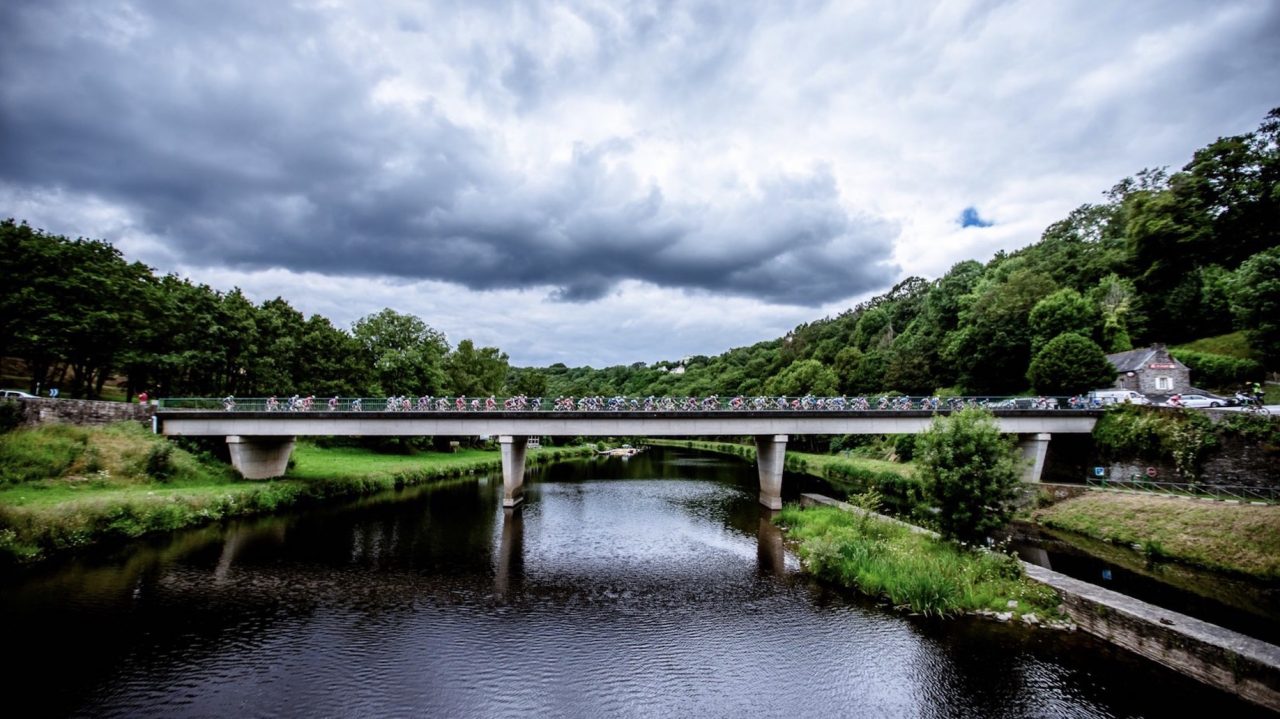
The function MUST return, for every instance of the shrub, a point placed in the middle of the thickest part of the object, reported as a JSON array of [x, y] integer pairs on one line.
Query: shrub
[[1069, 364], [1217, 371], [159, 465], [10, 415], [970, 473]]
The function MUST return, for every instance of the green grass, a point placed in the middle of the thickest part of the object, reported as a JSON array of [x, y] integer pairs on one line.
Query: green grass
[[1240, 539], [1230, 345], [66, 488], [312, 462], [911, 570]]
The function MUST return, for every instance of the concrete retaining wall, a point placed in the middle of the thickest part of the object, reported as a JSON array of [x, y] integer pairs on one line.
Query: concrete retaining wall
[[1218, 657], [1221, 658], [80, 411]]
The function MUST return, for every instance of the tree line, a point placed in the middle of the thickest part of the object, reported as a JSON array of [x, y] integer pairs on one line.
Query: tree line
[[1165, 257], [79, 315]]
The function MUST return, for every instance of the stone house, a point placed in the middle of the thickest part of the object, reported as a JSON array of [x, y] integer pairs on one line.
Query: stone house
[[1151, 370]]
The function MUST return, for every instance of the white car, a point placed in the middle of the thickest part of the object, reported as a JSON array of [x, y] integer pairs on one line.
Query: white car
[[1197, 401], [15, 394]]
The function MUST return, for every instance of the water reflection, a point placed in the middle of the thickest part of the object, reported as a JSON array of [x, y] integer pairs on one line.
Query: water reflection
[[770, 550], [651, 587]]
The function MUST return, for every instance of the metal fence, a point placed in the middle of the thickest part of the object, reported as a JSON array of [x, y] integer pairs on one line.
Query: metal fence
[[1189, 489], [883, 403]]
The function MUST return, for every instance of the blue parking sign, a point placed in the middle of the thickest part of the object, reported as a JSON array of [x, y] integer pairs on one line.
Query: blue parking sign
[[1099, 471]]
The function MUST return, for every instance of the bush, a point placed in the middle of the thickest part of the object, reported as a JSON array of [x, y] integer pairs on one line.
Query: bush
[[1183, 438], [970, 473], [1217, 371], [10, 415], [159, 465], [904, 445], [1070, 364]]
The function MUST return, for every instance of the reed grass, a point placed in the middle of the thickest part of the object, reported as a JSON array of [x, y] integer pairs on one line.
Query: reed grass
[[911, 570]]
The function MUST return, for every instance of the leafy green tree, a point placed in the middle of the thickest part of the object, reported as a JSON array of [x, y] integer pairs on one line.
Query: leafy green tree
[[329, 363], [868, 376], [527, 381], [275, 366], [1255, 294], [803, 377], [1114, 298], [1063, 311], [991, 346], [1070, 364], [970, 472], [405, 355], [475, 372]]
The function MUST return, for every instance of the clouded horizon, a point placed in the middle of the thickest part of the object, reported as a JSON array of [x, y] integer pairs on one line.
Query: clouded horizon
[[601, 183]]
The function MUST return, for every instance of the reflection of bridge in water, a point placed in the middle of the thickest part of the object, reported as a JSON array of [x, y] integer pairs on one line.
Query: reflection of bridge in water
[[261, 442]]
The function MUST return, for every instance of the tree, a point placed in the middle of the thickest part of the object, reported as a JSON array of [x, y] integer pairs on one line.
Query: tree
[[1114, 297], [528, 382], [1255, 295], [404, 354], [1070, 364], [475, 372], [1063, 311], [991, 346], [971, 473], [803, 377]]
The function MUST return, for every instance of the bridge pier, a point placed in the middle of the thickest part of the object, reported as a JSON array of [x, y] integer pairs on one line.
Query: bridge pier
[[260, 457], [771, 454], [1034, 447], [513, 449]]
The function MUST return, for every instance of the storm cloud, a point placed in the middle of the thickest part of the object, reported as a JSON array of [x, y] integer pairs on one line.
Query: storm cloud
[[576, 161], [253, 137]]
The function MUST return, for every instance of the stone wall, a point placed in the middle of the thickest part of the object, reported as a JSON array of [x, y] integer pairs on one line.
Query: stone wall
[[81, 411]]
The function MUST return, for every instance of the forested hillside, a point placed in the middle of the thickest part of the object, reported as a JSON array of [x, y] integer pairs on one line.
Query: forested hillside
[[1165, 257]]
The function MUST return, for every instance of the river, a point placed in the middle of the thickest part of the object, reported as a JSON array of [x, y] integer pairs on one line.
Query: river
[[639, 587]]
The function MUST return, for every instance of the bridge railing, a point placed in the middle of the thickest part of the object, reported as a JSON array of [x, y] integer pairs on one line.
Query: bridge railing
[[453, 404]]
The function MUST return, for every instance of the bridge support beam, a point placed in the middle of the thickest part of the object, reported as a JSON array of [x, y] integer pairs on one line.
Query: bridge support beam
[[512, 468], [1034, 447], [260, 457], [771, 454]]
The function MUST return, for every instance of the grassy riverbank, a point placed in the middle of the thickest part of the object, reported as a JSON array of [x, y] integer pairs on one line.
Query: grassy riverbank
[[912, 570], [1235, 538], [64, 487]]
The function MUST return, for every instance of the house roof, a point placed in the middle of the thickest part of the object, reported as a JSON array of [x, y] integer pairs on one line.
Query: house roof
[[1135, 360]]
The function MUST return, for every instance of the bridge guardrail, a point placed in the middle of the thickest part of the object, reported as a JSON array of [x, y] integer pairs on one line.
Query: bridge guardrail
[[459, 404]]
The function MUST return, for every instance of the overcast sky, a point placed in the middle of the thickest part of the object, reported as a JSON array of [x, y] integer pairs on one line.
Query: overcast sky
[[601, 182]]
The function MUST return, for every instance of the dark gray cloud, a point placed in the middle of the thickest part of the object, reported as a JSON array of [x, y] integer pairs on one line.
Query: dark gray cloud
[[248, 136], [715, 147]]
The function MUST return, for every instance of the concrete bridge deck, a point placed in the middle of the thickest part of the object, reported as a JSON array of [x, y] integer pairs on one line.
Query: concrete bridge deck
[[179, 422], [261, 442]]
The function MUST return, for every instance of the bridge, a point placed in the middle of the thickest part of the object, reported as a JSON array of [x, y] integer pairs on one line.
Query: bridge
[[261, 441]]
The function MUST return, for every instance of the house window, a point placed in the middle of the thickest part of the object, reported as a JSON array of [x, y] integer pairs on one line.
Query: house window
[[1164, 383]]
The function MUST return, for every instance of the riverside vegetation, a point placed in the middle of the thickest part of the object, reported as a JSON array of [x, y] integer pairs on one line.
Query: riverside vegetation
[[910, 569], [967, 470], [65, 487]]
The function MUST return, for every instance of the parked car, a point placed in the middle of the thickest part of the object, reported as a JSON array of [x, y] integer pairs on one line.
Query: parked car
[[1197, 401], [15, 394]]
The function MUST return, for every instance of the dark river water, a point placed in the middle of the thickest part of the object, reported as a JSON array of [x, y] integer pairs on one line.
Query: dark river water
[[648, 587]]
